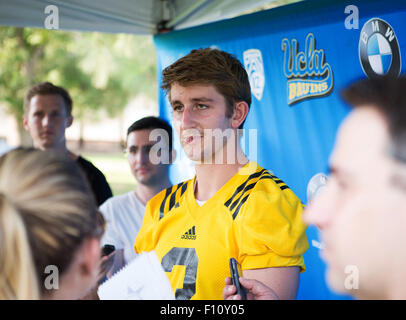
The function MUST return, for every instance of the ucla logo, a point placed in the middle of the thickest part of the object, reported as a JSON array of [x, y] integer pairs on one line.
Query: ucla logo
[[308, 73], [255, 69], [379, 52]]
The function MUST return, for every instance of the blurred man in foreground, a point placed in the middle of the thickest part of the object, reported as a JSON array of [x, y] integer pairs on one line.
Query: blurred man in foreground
[[361, 212]]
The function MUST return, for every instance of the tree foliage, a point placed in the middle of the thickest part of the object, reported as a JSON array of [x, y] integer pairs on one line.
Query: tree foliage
[[101, 71]]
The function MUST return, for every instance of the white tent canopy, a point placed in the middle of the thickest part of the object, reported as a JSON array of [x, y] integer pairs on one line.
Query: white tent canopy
[[144, 17]]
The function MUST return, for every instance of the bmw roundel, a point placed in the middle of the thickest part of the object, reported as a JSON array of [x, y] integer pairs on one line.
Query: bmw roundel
[[379, 49]]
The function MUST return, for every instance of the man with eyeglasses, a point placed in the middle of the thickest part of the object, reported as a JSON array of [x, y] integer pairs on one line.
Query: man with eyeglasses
[[149, 152]]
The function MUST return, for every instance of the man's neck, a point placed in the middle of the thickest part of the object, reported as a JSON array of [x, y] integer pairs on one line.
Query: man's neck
[[62, 149], [211, 177], [145, 193]]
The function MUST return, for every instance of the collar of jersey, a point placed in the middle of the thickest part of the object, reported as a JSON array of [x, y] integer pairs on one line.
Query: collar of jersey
[[220, 196]]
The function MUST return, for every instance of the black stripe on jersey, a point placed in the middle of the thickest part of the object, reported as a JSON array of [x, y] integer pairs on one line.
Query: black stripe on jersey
[[184, 187], [239, 206], [279, 181], [242, 186], [247, 188], [276, 180], [245, 191], [161, 209], [173, 196], [265, 177]]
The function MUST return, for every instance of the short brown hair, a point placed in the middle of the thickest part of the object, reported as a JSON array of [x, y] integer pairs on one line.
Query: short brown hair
[[211, 67], [388, 96], [152, 123], [47, 88]]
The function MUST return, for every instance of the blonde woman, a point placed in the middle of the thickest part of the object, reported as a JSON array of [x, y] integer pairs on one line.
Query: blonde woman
[[50, 228]]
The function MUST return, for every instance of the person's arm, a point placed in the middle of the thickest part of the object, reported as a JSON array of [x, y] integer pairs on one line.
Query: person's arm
[[101, 187], [266, 284], [271, 240], [283, 281], [97, 181]]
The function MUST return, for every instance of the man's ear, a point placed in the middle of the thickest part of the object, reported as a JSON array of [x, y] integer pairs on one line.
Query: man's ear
[[25, 122], [69, 121], [241, 109], [90, 257]]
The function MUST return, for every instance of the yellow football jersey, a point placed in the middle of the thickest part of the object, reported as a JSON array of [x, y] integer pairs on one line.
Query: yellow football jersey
[[254, 218]]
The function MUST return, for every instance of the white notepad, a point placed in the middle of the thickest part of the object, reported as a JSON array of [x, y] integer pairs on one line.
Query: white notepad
[[142, 279]]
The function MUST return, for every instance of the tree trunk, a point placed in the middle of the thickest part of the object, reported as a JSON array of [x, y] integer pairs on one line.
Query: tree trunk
[[81, 130], [121, 128]]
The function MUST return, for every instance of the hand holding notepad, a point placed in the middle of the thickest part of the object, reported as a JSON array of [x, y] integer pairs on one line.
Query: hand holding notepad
[[142, 279]]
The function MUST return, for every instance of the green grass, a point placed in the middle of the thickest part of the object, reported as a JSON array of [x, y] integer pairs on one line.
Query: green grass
[[116, 169]]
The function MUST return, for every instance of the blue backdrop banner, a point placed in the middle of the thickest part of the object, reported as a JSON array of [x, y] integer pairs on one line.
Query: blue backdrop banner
[[298, 58]]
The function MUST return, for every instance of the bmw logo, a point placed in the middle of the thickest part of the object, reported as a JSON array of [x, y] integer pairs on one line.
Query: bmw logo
[[379, 49]]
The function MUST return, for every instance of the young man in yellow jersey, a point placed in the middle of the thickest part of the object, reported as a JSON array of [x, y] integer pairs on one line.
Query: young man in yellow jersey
[[232, 207]]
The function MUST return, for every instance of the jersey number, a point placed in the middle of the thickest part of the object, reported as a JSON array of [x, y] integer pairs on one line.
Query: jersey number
[[183, 257]]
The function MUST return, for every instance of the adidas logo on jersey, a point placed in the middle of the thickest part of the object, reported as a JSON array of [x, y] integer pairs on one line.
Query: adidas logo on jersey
[[190, 234]]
